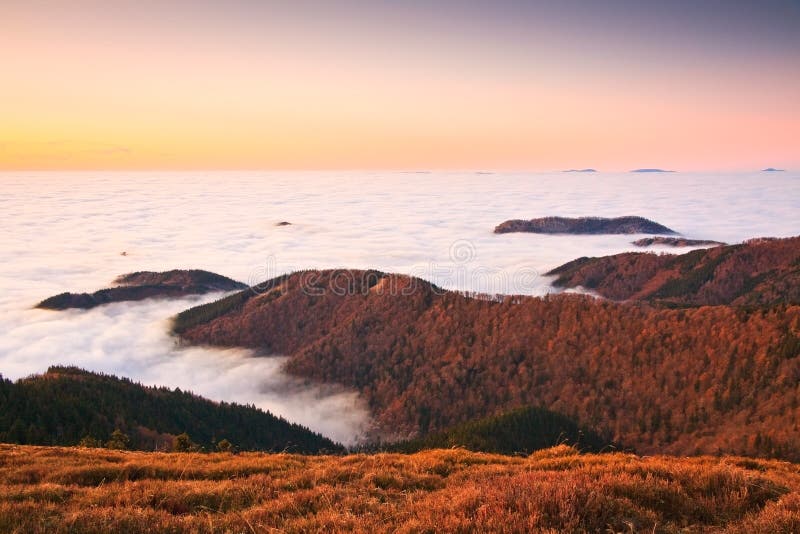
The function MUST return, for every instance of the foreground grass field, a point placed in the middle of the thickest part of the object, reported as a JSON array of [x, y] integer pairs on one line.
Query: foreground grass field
[[50, 489]]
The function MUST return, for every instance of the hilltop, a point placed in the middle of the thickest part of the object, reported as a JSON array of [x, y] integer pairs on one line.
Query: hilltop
[[583, 225], [145, 284]]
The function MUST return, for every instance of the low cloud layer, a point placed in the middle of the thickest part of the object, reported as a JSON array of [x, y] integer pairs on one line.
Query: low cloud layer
[[131, 340], [67, 231]]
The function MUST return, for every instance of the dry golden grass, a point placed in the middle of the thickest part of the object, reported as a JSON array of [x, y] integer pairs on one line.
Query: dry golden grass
[[54, 490]]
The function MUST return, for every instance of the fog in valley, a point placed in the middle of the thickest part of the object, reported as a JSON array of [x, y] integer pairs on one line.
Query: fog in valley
[[68, 232]]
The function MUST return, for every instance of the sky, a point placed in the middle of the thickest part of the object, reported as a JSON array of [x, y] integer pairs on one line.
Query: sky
[[495, 85]]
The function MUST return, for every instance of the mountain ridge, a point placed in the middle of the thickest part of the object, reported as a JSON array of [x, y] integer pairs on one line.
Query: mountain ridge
[[426, 359], [758, 272]]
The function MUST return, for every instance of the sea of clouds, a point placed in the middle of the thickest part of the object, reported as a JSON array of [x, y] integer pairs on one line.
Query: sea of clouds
[[67, 231]]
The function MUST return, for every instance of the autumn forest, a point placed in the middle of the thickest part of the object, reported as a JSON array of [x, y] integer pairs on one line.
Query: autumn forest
[[710, 368]]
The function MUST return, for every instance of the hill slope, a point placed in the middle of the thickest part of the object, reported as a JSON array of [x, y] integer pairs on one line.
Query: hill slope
[[659, 380], [761, 272], [66, 404], [55, 490]]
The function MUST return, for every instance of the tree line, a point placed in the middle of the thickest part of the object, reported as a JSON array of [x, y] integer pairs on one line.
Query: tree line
[[70, 406]]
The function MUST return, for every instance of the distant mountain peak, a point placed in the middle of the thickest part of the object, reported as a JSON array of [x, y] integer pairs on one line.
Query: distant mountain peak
[[630, 224], [145, 284]]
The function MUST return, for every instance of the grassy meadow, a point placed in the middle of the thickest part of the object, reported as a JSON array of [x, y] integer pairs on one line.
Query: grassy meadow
[[81, 490]]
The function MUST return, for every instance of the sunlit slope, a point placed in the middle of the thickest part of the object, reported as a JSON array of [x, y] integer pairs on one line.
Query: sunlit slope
[[759, 272], [704, 379], [57, 490]]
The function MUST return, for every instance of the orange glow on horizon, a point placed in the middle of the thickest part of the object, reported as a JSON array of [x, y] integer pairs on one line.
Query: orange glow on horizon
[[164, 101]]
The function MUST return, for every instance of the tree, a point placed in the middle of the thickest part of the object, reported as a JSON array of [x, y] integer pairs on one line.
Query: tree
[[118, 440], [183, 443]]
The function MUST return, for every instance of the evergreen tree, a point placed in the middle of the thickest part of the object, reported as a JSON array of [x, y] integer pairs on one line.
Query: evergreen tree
[[118, 440]]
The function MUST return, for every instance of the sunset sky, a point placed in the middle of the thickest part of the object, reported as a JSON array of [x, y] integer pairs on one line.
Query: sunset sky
[[502, 84]]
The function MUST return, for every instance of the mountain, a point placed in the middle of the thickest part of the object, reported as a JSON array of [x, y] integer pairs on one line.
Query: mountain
[[659, 380], [66, 404], [520, 431], [145, 284], [772, 169], [580, 170], [583, 225], [650, 170], [759, 272], [674, 242]]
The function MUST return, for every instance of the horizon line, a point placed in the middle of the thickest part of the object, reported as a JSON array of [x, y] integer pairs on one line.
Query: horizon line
[[477, 170]]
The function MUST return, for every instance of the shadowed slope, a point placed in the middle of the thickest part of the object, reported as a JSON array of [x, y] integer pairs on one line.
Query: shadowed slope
[[520, 431], [66, 404]]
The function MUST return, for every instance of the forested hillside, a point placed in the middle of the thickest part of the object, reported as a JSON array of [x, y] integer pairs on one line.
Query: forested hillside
[[66, 405], [683, 381], [760, 272], [520, 431]]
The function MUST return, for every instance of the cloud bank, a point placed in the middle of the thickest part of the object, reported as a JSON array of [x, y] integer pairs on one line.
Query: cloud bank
[[66, 232]]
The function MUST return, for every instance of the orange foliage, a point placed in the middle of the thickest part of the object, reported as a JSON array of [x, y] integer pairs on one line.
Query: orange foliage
[[760, 272], [682, 381]]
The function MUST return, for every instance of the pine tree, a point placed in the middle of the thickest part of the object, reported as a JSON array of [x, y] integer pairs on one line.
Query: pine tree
[[118, 440]]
